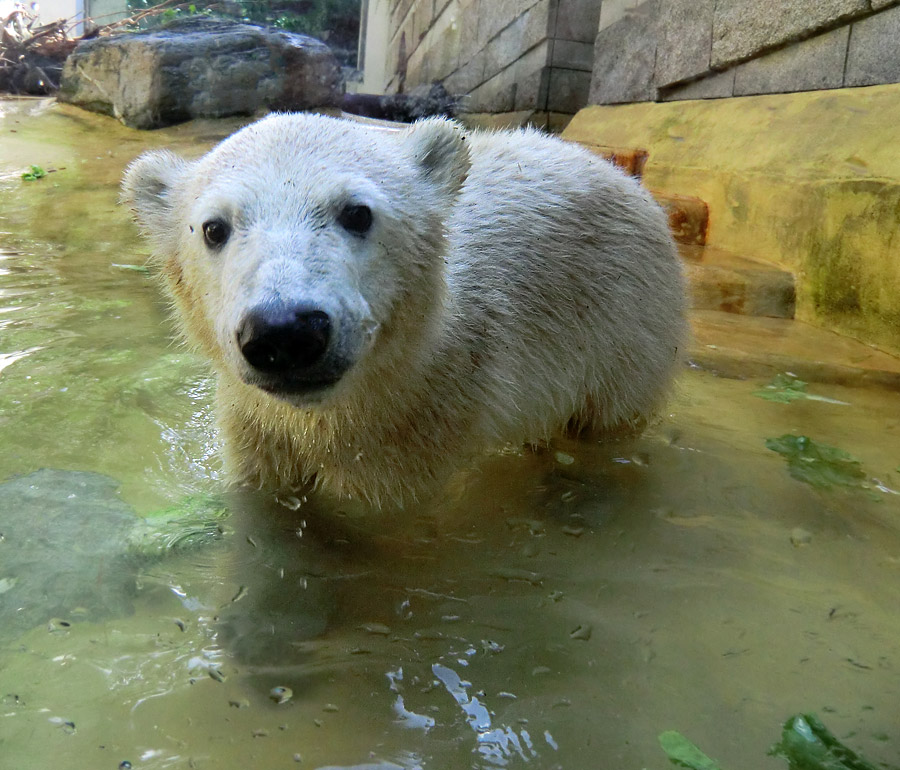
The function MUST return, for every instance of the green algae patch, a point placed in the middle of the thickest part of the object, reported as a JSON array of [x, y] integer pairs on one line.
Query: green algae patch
[[818, 465], [786, 388], [195, 521], [807, 744], [682, 753]]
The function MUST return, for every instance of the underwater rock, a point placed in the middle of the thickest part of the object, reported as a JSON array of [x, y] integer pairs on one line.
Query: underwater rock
[[63, 550], [199, 68], [70, 548]]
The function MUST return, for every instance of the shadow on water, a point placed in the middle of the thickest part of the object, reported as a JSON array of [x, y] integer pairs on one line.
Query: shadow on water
[[557, 608]]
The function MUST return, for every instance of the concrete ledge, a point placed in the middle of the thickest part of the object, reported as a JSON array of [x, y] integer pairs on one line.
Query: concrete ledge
[[740, 347], [722, 281]]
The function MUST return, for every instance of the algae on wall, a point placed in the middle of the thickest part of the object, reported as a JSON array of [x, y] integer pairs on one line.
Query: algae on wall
[[810, 181]]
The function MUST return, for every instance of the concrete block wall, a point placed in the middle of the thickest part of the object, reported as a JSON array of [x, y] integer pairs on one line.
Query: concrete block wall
[[505, 55], [661, 50]]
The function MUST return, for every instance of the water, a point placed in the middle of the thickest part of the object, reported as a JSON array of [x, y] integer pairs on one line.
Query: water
[[553, 609]]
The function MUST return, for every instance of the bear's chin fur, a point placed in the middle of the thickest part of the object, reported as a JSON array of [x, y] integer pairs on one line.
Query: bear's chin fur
[[519, 284]]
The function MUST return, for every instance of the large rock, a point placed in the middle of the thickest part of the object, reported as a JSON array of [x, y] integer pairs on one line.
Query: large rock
[[199, 68]]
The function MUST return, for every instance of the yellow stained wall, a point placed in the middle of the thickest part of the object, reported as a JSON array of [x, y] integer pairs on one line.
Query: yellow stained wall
[[810, 181]]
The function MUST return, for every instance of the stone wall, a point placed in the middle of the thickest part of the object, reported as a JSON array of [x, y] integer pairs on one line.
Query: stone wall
[[660, 50], [505, 55]]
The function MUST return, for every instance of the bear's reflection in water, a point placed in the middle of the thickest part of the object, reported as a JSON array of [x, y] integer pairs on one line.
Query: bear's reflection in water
[[307, 566], [408, 607]]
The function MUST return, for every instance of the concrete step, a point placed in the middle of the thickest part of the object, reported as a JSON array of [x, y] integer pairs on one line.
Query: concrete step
[[723, 281], [742, 347], [688, 216], [630, 160]]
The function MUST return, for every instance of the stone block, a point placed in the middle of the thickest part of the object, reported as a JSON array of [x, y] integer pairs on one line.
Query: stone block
[[468, 77], [525, 32], [810, 65], [568, 90], [572, 55], [495, 95], [744, 28], [423, 17], [531, 77], [685, 40], [717, 86], [469, 14], [443, 42], [495, 15], [398, 16], [625, 58], [577, 20], [418, 68], [873, 56], [199, 68], [878, 5], [531, 90], [612, 11]]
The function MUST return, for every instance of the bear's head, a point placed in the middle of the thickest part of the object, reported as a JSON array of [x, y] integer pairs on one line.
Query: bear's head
[[302, 245]]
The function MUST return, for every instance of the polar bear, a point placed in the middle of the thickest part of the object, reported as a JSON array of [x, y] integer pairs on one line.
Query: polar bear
[[380, 305]]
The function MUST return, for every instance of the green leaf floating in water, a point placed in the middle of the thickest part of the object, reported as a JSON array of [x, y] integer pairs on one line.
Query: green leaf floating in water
[[807, 744], [683, 753], [786, 388], [34, 173], [195, 521], [818, 464]]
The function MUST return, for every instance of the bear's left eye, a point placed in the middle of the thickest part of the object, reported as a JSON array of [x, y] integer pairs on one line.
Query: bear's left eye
[[216, 233], [356, 219]]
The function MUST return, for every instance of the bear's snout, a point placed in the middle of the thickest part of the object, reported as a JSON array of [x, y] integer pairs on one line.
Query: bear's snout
[[287, 346]]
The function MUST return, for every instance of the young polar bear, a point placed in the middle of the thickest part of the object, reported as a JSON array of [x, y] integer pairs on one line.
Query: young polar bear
[[378, 304]]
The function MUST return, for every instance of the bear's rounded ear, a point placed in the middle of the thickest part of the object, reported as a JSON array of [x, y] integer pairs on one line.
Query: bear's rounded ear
[[439, 148], [147, 187]]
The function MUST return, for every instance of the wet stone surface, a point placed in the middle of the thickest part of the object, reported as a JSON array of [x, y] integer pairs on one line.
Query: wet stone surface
[[63, 550]]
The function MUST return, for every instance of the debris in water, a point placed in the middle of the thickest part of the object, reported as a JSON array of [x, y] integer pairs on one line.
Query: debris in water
[[583, 632], [34, 173], [683, 753], [281, 694], [807, 744], [786, 388], [375, 628], [819, 465], [511, 573]]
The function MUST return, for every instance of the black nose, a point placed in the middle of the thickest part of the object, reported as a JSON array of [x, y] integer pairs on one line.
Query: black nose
[[284, 340]]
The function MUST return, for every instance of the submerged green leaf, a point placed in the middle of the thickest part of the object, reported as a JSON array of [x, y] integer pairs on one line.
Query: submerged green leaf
[[820, 465], [786, 388], [195, 521], [683, 753], [807, 744]]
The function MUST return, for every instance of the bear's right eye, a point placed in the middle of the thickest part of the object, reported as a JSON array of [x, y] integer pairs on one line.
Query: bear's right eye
[[215, 233], [355, 219]]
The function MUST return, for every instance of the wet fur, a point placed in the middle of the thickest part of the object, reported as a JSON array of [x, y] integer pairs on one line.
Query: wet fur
[[523, 284]]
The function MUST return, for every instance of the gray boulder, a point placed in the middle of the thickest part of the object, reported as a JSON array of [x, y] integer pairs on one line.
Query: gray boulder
[[199, 68]]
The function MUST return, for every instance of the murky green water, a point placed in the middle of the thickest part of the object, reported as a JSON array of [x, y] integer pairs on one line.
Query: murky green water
[[558, 609]]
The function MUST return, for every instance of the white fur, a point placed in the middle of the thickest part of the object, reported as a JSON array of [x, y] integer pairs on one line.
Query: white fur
[[511, 281]]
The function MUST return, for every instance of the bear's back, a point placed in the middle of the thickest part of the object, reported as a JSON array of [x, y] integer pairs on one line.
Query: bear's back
[[564, 277]]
